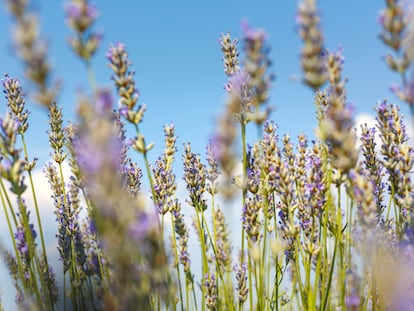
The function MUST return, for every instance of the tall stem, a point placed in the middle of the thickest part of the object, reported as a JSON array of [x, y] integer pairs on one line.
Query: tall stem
[[243, 134], [90, 74]]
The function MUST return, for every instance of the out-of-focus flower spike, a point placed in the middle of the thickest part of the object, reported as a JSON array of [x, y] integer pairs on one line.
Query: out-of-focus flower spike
[[313, 52], [80, 16], [32, 50]]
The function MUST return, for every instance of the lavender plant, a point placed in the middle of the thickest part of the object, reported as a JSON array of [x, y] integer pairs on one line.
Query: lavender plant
[[320, 219]]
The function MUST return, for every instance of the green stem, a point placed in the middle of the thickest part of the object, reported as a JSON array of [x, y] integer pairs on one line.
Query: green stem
[[257, 285], [249, 274], [330, 276], [263, 276], [204, 267], [176, 260], [146, 164], [35, 200], [244, 146], [298, 273], [91, 75], [4, 191], [309, 291], [244, 193], [277, 283]]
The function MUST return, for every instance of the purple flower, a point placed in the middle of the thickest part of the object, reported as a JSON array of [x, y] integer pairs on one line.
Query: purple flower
[[241, 277], [75, 10], [80, 15], [97, 149], [212, 151], [406, 94], [352, 302], [9, 126], [382, 106], [164, 186], [88, 159], [252, 34], [145, 224], [217, 151], [222, 41], [92, 12], [21, 239], [114, 50], [210, 291], [7, 82], [237, 83], [212, 159], [5, 164], [338, 55], [381, 18], [369, 135], [104, 101], [195, 178]]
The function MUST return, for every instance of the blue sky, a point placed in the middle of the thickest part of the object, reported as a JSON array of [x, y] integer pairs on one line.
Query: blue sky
[[174, 50]]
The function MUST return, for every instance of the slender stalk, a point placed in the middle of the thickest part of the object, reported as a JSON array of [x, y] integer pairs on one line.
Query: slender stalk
[[277, 283], [341, 250], [4, 191], [324, 262], [204, 267], [249, 276], [257, 285], [39, 222], [298, 273], [244, 151], [187, 303], [330, 276], [91, 75], [175, 249], [309, 291], [263, 277], [147, 168]]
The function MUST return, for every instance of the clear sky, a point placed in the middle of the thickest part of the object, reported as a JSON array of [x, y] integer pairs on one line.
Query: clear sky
[[174, 50]]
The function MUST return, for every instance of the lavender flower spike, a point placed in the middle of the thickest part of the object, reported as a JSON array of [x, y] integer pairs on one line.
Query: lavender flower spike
[[125, 84], [80, 15], [312, 56]]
